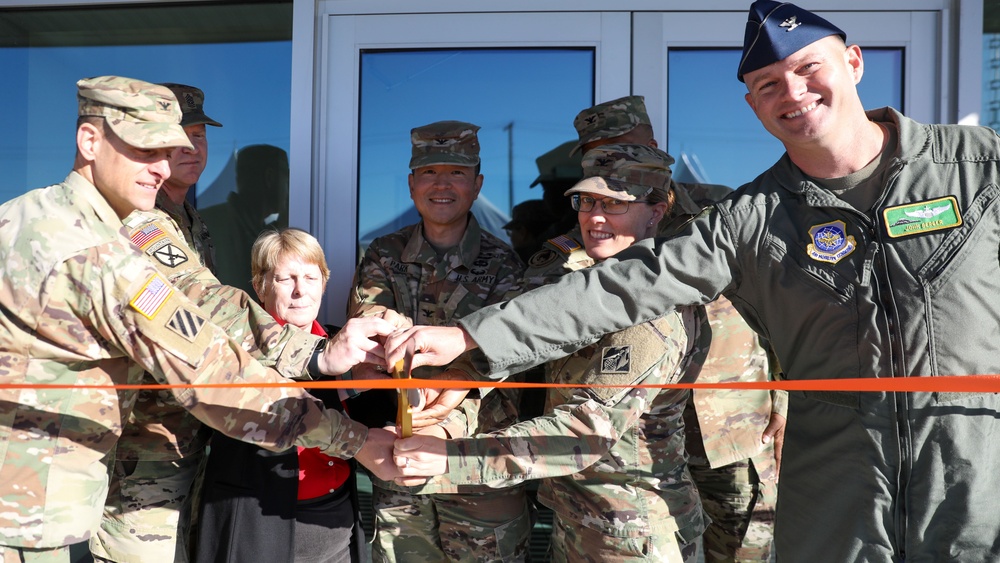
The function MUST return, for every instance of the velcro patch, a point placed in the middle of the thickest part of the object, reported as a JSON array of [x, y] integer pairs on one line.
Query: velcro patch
[[922, 217], [168, 254], [565, 243], [543, 257], [186, 323], [147, 235], [616, 359], [151, 297]]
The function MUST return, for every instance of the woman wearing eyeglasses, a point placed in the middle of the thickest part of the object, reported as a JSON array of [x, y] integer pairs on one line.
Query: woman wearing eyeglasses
[[611, 459]]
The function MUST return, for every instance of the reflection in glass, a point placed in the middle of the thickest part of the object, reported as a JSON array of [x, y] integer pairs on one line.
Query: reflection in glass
[[240, 55], [712, 132], [524, 100]]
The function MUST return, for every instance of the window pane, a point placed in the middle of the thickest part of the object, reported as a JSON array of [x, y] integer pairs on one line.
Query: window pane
[[714, 134], [524, 100], [240, 55]]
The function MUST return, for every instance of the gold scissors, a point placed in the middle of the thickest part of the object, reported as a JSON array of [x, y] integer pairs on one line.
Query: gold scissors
[[404, 412]]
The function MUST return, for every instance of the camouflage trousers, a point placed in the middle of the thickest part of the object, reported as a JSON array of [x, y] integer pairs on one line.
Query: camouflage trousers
[[63, 554], [572, 542], [480, 527], [740, 499], [148, 512]]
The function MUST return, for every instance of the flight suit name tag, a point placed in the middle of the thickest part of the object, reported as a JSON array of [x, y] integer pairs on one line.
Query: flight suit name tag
[[922, 217]]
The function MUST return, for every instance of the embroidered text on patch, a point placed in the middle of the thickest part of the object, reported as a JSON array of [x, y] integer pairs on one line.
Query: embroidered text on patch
[[616, 359], [146, 235], [830, 242], [186, 324], [170, 255], [922, 217], [152, 296]]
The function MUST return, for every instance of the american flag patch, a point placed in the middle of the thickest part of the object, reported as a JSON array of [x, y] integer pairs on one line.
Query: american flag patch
[[146, 235], [564, 243], [152, 296], [616, 359]]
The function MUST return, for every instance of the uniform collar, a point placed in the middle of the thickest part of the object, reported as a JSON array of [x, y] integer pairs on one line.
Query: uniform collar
[[419, 250], [82, 187]]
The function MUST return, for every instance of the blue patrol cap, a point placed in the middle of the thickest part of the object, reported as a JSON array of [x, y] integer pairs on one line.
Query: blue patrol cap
[[778, 29]]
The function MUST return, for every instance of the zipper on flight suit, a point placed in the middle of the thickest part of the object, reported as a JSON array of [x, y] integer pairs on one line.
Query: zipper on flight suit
[[897, 401]]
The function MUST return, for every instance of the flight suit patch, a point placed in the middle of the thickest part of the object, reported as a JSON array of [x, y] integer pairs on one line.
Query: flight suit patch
[[922, 217], [151, 297], [830, 242]]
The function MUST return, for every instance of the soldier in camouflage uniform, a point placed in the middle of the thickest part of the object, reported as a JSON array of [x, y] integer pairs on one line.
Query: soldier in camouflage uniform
[[731, 434], [612, 460], [150, 499], [434, 272], [80, 304]]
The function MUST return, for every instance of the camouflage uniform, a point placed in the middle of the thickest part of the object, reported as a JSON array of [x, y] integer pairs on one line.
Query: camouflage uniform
[[81, 305], [150, 500], [402, 272], [611, 461], [735, 472]]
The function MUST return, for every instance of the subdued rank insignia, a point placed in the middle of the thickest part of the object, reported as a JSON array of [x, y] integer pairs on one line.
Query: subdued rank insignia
[[186, 324], [169, 255], [616, 359], [922, 217], [830, 242]]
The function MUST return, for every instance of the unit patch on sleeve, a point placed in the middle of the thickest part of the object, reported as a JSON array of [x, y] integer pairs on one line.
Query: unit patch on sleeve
[[167, 253], [616, 359], [151, 297], [922, 217], [830, 242], [186, 323]]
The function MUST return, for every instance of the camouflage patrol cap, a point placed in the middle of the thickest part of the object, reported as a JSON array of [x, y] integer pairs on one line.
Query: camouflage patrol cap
[[192, 101], [444, 142], [143, 115], [625, 172], [610, 119], [556, 165]]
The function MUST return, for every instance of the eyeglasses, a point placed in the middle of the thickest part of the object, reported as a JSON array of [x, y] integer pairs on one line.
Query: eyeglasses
[[610, 205]]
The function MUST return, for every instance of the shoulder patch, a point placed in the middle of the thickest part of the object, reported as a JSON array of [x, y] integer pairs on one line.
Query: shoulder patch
[[147, 235], [616, 359], [542, 258], [167, 253], [565, 243], [186, 323], [151, 297]]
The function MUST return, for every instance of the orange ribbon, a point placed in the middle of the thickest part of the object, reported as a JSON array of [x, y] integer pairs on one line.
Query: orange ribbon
[[943, 383]]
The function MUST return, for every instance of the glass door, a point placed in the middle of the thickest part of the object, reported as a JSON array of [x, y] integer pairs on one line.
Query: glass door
[[521, 77]]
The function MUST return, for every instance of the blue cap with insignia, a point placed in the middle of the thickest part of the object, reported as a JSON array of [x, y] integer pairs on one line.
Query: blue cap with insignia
[[778, 29]]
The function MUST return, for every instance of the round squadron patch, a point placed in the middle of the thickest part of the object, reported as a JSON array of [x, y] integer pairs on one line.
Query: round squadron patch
[[830, 242], [543, 257]]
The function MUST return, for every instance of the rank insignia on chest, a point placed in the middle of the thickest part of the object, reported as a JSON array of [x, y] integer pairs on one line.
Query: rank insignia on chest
[[830, 242], [616, 359], [922, 217]]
